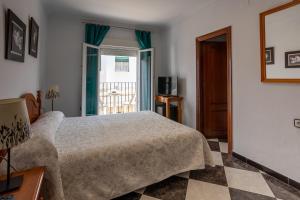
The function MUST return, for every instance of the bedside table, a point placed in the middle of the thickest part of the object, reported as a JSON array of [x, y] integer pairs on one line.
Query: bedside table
[[168, 100], [31, 186]]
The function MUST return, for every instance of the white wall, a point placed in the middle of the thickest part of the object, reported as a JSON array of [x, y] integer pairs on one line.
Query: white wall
[[108, 73], [65, 37], [262, 113], [17, 78], [64, 48]]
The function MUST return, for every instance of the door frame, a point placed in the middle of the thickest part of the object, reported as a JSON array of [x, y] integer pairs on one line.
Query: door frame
[[199, 82]]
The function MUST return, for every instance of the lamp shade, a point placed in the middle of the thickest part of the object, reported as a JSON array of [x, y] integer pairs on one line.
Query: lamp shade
[[14, 123], [53, 92]]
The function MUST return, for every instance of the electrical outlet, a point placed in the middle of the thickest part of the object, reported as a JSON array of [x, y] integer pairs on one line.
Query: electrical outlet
[[297, 123]]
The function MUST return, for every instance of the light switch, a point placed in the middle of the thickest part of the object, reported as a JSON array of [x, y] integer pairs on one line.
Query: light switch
[[297, 123]]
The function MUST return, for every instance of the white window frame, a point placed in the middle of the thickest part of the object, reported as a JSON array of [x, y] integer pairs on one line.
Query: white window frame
[[83, 77]]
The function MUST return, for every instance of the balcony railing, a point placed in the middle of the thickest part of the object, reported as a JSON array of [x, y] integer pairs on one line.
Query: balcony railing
[[117, 97]]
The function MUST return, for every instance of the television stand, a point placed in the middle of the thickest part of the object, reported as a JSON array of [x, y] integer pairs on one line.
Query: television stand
[[168, 100]]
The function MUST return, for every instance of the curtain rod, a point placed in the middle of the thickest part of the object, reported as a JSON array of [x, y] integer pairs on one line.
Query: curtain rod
[[94, 22]]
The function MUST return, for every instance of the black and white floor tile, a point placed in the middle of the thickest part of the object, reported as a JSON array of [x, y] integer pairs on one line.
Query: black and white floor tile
[[231, 179]]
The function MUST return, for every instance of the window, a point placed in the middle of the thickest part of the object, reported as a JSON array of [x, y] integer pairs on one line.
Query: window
[[121, 64]]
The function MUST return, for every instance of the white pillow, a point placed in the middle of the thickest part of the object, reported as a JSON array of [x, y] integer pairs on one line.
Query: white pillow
[[47, 125]]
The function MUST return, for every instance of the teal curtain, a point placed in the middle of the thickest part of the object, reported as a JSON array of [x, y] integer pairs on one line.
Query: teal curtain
[[143, 38], [144, 41], [94, 35], [145, 81]]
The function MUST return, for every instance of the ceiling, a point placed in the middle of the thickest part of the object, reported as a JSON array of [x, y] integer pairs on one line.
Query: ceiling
[[147, 12]]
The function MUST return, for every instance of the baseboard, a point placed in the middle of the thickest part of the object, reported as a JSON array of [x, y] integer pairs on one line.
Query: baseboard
[[268, 171]]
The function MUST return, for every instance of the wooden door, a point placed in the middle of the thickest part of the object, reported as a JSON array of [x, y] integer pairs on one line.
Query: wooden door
[[214, 58]]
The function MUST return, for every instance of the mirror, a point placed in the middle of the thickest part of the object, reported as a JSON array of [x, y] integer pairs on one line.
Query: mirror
[[280, 43]]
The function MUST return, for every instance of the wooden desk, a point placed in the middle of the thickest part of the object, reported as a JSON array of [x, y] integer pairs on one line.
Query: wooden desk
[[168, 100], [31, 186]]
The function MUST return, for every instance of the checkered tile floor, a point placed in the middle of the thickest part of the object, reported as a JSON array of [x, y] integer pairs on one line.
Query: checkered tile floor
[[231, 179]]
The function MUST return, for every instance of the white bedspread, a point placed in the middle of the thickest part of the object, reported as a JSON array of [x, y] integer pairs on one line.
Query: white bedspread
[[103, 157], [108, 156]]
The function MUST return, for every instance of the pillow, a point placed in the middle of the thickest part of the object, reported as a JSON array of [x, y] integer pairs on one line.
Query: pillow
[[47, 125]]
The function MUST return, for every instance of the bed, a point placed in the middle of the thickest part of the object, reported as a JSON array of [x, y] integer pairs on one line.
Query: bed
[[103, 157]]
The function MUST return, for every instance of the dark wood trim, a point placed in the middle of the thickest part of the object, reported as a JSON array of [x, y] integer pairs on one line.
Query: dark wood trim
[[199, 86], [267, 170], [263, 43]]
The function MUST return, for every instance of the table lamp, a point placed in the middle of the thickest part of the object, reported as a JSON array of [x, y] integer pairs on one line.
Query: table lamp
[[14, 130], [53, 93]]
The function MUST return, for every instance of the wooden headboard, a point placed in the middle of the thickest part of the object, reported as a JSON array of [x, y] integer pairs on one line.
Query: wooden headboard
[[34, 106]]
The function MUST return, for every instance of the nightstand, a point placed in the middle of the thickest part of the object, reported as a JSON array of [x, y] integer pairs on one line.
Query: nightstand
[[31, 186], [168, 100]]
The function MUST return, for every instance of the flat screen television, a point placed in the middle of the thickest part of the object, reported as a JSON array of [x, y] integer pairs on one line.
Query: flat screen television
[[167, 86]]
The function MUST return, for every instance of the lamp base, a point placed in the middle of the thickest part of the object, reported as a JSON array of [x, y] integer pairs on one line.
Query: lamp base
[[14, 183]]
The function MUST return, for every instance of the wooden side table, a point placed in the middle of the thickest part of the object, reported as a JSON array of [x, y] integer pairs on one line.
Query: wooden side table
[[31, 186], [168, 100]]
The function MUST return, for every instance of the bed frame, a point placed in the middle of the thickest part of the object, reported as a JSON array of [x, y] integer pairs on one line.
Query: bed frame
[[34, 107]]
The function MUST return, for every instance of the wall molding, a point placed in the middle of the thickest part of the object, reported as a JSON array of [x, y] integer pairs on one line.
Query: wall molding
[[269, 171]]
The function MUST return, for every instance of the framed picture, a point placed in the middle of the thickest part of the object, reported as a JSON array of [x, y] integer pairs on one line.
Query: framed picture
[[270, 56], [292, 59], [33, 38], [15, 37]]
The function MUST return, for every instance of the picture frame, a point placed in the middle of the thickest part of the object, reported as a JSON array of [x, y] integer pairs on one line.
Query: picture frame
[[292, 59], [15, 37], [33, 38], [270, 56]]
